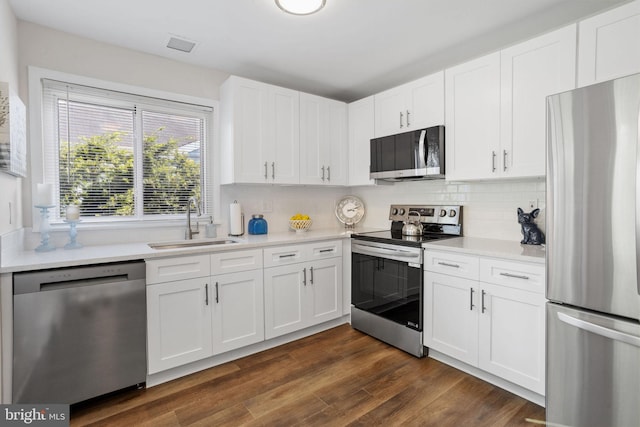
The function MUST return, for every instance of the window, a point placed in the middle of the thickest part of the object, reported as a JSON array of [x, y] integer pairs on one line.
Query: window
[[123, 156]]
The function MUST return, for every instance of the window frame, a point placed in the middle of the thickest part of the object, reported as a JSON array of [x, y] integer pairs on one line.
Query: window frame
[[38, 146]]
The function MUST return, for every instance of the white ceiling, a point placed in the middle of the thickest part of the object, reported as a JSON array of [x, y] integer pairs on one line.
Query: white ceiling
[[350, 49]]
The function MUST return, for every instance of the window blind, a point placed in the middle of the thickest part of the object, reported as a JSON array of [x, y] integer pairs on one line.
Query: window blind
[[124, 156]]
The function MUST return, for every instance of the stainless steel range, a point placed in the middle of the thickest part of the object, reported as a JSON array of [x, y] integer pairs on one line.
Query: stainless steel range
[[387, 273]]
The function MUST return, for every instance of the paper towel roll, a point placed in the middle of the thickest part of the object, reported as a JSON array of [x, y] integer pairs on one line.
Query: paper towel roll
[[236, 227]]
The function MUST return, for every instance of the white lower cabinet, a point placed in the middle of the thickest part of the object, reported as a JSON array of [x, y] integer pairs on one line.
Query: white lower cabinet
[[237, 309], [178, 323], [196, 318], [200, 306], [303, 293], [497, 327]]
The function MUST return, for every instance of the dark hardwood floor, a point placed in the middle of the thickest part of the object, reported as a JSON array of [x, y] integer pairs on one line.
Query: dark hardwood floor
[[336, 378]]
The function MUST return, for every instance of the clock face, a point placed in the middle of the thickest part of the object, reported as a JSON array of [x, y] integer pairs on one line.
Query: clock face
[[350, 210]]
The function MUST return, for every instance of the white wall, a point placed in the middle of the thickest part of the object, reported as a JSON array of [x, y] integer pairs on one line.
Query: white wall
[[10, 187]]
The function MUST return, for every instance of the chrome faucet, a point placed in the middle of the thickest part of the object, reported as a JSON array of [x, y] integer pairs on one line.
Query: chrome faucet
[[188, 234]]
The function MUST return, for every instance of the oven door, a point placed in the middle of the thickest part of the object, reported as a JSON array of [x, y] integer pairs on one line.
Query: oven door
[[386, 280]]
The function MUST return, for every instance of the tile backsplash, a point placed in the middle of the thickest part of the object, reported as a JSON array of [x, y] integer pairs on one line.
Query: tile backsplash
[[489, 207]]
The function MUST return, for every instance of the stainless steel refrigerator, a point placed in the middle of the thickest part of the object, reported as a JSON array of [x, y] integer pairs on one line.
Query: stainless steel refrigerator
[[593, 248]]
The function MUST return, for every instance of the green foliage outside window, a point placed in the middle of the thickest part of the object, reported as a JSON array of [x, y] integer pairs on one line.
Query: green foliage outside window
[[97, 173]]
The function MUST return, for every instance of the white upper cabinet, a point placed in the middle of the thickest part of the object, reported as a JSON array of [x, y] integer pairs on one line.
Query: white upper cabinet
[[496, 111], [323, 141], [361, 131], [472, 122], [415, 105], [260, 131], [608, 45], [531, 71]]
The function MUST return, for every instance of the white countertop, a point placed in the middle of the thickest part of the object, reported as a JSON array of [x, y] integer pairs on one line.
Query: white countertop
[[491, 247], [24, 260]]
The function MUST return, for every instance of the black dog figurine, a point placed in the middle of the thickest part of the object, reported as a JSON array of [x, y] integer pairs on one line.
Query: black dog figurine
[[530, 231]]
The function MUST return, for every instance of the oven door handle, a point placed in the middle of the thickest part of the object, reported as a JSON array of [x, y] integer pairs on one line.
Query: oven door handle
[[369, 250]]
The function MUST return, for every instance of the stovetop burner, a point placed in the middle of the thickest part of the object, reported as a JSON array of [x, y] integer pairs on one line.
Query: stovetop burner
[[439, 222]]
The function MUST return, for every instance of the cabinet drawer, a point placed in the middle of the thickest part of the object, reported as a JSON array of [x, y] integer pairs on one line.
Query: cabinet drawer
[[329, 249], [521, 275], [284, 255], [178, 268], [231, 262], [453, 264]]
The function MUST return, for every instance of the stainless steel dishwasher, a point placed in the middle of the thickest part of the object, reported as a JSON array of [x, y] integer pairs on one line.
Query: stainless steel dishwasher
[[78, 332]]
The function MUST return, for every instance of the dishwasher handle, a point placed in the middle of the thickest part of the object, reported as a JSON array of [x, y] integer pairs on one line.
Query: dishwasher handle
[[76, 277]]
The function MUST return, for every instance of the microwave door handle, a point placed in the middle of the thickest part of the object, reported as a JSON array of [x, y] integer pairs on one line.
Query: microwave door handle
[[422, 153]]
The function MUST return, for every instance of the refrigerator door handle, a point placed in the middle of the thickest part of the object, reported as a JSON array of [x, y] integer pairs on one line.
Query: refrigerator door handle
[[600, 330], [638, 209]]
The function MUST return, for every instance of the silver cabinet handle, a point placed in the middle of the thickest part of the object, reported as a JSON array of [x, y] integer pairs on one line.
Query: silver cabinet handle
[[304, 277], [217, 294], [493, 161], [471, 298], [408, 124], [322, 251], [504, 160], [265, 170], [323, 172], [401, 116], [286, 256], [483, 307], [311, 270], [446, 264], [206, 294], [515, 276], [328, 173], [600, 330], [273, 170]]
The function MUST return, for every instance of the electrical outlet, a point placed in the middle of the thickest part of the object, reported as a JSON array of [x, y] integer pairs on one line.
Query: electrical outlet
[[267, 206], [533, 204]]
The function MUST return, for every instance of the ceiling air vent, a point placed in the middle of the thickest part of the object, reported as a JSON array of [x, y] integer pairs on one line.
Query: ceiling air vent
[[180, 44]]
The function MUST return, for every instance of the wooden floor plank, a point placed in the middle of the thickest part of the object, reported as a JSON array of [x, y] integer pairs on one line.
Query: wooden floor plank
[[336, 378]]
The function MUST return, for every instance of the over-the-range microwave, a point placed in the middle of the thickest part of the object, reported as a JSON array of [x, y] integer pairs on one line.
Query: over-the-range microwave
[[418, 154]]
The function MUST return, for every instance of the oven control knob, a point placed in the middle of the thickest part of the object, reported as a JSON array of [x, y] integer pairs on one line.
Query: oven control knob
[[452, 212], [401, 211], [394, 211], [443, 212]]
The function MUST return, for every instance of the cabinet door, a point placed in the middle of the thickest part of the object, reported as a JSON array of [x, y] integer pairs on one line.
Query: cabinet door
[[246, 140], [283, 163], [473, 118], [336, 144], [425, 102], [389, 112], [178, 323], [324, 290], [312, 119], [284, 300], [361, 131], [451, 316], [512, 335], [608, 45], [323, 140], [530, 72], [238, 310]]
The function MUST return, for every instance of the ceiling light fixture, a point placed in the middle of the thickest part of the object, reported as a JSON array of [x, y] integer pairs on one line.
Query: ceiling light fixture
[[300, 7]]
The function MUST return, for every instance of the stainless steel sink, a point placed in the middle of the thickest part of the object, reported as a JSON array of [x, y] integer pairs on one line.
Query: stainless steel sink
[[190, 244]]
